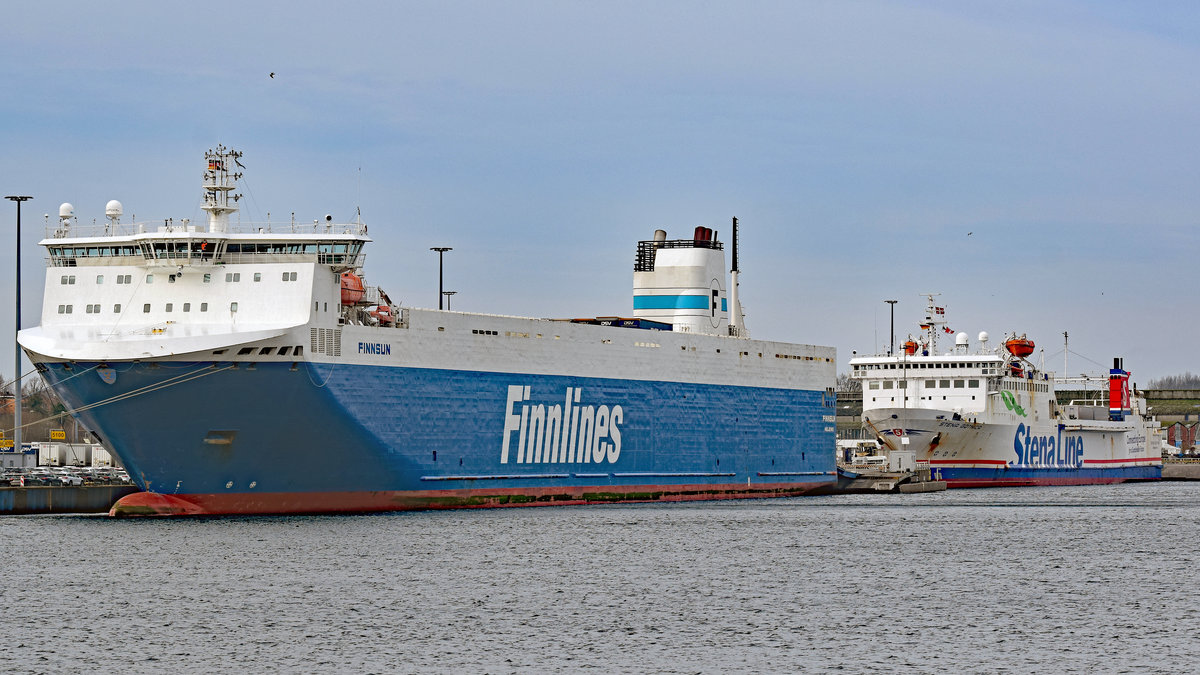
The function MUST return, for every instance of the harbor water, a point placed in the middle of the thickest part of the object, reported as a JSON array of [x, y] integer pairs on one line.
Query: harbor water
[[1079, 579]]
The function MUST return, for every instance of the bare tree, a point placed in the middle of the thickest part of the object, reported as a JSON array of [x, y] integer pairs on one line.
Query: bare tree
[[1185, 381], [845, 383]]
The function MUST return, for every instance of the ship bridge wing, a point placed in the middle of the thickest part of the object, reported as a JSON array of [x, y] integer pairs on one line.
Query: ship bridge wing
[[76, 343]]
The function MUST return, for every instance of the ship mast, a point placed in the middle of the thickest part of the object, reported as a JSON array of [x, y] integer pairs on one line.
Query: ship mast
[[219, 182], [935, 317]]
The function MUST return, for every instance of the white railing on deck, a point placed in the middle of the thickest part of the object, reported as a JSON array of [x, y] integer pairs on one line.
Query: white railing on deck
[[55, 231]]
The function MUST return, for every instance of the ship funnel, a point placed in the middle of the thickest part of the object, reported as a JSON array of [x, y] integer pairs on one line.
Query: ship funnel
[[682, 282], [1118, 392]]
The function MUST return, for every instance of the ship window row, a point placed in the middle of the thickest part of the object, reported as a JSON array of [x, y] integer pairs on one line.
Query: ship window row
[[480, 331], [875, 399], [94, 251], [917, 365], [69, 279], [801, 358], [929, 384], [171, 308], [295, 248]]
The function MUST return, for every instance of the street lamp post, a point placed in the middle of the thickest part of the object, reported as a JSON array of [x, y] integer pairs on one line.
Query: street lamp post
[[441, 250], [448, 294], [892, 343], [16, 329]]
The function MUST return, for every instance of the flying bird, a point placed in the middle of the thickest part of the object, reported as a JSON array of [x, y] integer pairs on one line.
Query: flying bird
[[970, 233], [272, 76]]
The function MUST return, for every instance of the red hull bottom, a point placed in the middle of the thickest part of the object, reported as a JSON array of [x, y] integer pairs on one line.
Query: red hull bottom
[[155, 504]]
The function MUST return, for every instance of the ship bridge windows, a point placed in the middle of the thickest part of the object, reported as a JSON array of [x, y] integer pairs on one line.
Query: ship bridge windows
[[873, 384], [67, 279], [173, 249]]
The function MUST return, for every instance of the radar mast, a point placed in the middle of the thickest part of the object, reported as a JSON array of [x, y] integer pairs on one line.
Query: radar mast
[[219, 181]]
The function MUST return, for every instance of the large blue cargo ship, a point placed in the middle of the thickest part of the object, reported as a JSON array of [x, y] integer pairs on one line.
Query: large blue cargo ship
[[255, 372]]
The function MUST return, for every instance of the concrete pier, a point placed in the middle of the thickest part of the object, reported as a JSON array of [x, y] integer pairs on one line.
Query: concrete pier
[[1181, 470]]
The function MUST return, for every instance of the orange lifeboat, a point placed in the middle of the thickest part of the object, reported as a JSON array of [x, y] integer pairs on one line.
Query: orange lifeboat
[[1019, 346], [352, 288], [384, 314], [910, 347]]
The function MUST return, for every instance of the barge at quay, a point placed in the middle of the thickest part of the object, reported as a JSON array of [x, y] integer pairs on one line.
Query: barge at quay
[[235, 370]]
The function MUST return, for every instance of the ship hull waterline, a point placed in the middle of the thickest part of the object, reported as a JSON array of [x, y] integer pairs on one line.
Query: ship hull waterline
[[222, 438]]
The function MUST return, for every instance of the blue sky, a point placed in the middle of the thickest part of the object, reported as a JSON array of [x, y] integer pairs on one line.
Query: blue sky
[[858, 143]]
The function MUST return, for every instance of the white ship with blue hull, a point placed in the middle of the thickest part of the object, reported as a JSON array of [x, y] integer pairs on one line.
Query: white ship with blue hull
[[988, 417], [238, 370]]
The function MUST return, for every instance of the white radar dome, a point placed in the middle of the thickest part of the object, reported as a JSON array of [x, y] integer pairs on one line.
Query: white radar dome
[[66, 210], [983, 336], [960, 340], [113, 209]]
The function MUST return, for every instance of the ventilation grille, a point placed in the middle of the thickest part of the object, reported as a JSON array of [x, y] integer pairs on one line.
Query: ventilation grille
[[326, 341]]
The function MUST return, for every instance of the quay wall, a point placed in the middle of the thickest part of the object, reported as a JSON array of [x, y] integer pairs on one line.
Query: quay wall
[[78, 499]]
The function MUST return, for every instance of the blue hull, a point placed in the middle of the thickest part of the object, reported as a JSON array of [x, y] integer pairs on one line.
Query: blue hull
[[241, 433], [1013, 477]]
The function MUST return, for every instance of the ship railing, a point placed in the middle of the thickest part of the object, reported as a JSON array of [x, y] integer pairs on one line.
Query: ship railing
[[340, 261], [644, 260], [55, 230], [370, 296]]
